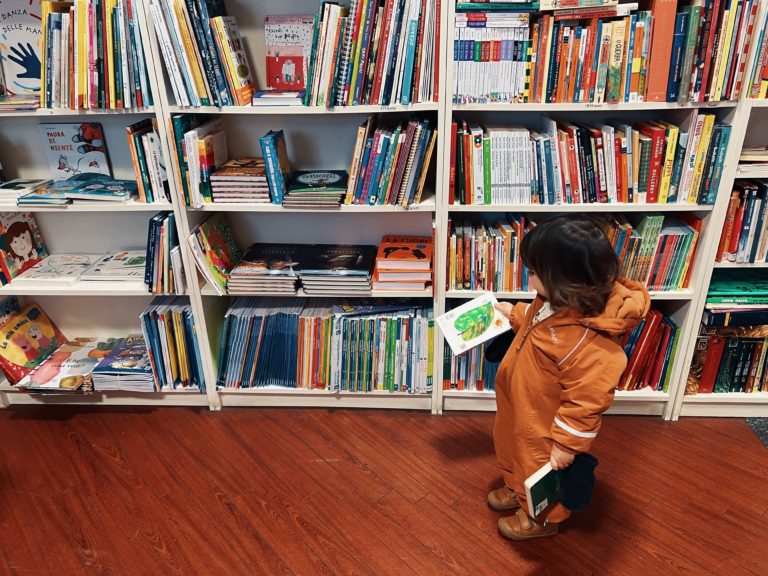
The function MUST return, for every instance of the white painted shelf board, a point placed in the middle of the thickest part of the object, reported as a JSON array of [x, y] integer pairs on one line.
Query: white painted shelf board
[[741, 264], [587, 107], [105, 288], [92, 207], [728, 398], [47, 112], [758, 103], [426, 205], [286, 397], [469, 294], [208, 290], [741, 173], [303, 110], [585, 207]]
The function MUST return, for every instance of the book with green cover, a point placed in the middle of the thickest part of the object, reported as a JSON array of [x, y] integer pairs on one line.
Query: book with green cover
[[542, 489], [744, 285]]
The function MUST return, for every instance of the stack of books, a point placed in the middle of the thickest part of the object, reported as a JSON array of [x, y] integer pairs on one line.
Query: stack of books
[[294, 343], [651, 349], [742, 289], [126, 367], [169, 331], [81, 188], [164, 272], [370, 53], [332, 268], [13, 190], [316, 189], [268, 268], [567, 163], [403, 263], [390, 163], [240, 180], [209, 67], [608, 52], [19, 102], [58, 270], [744, 238], [277, 98], [77, 73]]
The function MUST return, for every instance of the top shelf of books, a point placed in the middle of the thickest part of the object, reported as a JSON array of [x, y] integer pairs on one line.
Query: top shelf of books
[[306, 110]]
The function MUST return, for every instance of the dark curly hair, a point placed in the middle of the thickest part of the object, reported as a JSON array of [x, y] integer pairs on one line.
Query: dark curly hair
[[574, 260]]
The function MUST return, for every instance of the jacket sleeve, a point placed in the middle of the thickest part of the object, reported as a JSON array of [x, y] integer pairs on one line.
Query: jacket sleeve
[[588, 382], [518, 316]]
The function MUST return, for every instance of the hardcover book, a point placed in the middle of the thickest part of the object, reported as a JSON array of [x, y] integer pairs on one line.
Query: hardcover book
[[215, 251], [126, 367], [404, 253], [542, 489], [21, 245], [472, 323], [58, 269], [339, 260], [289, 40], [68, 369], [26, 339], [75, 148]]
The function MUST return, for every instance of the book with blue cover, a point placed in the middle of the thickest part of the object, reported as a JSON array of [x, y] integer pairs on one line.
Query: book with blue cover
[[277, 163], [126, 367]]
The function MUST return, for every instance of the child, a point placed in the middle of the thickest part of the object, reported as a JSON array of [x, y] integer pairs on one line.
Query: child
[[561, 370]]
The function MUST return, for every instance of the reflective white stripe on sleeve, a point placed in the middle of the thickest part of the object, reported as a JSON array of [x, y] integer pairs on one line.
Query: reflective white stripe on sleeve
[[573, 431]]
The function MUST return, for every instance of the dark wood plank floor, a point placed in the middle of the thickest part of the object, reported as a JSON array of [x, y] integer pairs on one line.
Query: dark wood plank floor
[[181, 491]]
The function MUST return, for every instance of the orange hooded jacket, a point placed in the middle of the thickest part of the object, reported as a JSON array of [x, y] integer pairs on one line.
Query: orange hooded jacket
[[556, 380]]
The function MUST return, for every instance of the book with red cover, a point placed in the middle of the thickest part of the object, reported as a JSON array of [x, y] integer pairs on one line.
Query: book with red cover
[[641, 351], [714, 353], [725, 236], [658, 136], [738, 220], [660, 49], [452, 178]]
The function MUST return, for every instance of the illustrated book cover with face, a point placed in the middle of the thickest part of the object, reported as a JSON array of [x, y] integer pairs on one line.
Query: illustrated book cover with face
[[21, 244], [472, 323], [75, 149], [26, 339]]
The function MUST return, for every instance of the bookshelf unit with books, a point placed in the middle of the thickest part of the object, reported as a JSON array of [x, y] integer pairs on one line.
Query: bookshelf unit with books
[[682, 306]]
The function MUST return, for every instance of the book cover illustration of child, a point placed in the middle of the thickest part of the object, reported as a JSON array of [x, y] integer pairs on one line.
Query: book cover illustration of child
[[27, 339], [21, 244]]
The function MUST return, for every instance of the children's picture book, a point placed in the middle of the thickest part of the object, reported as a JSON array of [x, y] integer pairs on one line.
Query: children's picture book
[[123, 265], [75, 148], [68, 369], [11, 191], [105, 189], [26, 339], [314, 180], [542, 489], [472, 323], [289, 41], [58, 269], [231, 52], [126, 367], [21, 244], [215, 251], [22, 44], [405, 253], [339, 260]]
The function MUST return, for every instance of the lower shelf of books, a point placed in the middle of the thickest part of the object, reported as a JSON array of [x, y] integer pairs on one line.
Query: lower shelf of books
[[638, 402], [286, 397], [11, 396], [723, 404]]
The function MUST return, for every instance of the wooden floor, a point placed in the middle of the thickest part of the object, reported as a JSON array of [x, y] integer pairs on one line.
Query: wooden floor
[[179, 491]]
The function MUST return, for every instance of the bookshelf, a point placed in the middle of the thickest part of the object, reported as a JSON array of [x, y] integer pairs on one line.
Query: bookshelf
[[324, 138]]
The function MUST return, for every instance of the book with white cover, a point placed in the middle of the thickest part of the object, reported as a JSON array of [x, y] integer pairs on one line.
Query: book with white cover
[[58, 270], [472, 323], [123, 265]]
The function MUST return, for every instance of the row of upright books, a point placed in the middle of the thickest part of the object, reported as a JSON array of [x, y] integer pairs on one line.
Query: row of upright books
[[570, 163], [744, 238], [606, 53], [93, 55], [759, 74], [373, 52], [354, 346], [203, 53], [36, 356], [655, 250], [469, 371]]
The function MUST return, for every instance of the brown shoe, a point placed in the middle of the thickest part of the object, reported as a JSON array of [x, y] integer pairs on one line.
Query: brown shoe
[[521, 527], [503, 499]]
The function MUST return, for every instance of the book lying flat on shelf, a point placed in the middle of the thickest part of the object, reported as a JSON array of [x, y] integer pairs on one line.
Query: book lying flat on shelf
[[277, 98], [754, 154], [68, 369], [58, 270], [472, 323], [126, 367], [75, 148], [123, 265], [542, 489], [316, 188], [11, 191]]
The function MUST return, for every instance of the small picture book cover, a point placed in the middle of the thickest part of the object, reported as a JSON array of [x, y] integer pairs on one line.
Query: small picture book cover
[[339, 260], [215, 250], [542, 489], [105, 189], [22, 44], [123, 265], [59, 269], [241, 169], [75, 148], [405, 253], [21, 244], [67, 369], [130, 356], [26, 339], [318, 180], [271, 260], [472, 323], [289, 41], [20, 185]]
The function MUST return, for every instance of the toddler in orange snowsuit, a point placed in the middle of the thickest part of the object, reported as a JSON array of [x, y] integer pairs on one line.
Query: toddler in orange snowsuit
[[561, 370]]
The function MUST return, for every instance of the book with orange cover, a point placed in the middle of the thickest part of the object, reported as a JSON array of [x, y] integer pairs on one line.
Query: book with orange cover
[[660, 49], [404, 253]]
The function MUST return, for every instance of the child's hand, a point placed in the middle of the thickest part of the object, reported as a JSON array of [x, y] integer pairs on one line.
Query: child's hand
[[559, 458], [505, 308]]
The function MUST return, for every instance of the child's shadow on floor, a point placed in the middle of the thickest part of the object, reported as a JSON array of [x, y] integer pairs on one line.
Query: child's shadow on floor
[[465, 447]]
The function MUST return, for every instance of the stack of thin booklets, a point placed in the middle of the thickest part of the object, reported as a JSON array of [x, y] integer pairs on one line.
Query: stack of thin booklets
[[19, 102], [13, 190], [403, 263], [316, 189], [127, 367], [85, 187], [269, 268], [338, 268], [241, 180]]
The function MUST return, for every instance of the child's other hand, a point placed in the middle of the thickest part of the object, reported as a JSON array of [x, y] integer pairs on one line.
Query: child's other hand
[[559, 458], [505, 308]]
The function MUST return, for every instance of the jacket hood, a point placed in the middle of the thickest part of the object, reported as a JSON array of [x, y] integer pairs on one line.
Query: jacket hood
[[627, 305]]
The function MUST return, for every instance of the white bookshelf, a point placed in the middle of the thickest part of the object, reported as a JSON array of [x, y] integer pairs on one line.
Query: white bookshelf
[[324, 138]]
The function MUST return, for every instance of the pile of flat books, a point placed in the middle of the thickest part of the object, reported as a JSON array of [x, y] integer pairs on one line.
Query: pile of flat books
[[338, 268], [241, 180], [271, 268], [403, 263], [19, 102], [65, 270], [316, 189], [13, 190], [81, 188], [127, 367]]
